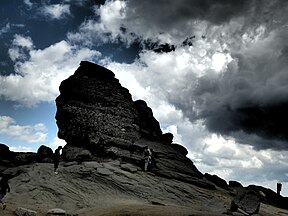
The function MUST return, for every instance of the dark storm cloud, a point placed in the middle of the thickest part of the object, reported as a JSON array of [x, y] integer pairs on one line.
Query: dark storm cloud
[[178, 18], [170, 12], [251, 95], [249, 101]]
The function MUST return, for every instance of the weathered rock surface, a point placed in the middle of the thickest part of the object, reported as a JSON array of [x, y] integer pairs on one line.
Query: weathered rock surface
[[248, 201], [94, 112], [25, 212], [94, 109]]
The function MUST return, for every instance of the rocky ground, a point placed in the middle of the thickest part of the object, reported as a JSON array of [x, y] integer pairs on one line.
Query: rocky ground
[[112, 188]]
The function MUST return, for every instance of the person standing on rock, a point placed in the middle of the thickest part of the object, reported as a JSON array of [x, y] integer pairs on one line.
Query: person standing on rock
[[4, 187], [147, 157], [56, 158]]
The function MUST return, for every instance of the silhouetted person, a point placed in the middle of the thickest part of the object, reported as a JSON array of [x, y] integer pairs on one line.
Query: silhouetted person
[[4, 188], [56, 158]]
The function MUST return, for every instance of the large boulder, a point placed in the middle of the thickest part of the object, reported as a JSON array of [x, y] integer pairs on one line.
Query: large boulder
[[167, 138], [44, 154], [233, 183], [6, 154], [248, 201]]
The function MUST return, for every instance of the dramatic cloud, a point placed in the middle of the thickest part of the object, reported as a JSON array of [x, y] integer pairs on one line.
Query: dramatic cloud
[[233, 77], [34, 81], [30, 134]]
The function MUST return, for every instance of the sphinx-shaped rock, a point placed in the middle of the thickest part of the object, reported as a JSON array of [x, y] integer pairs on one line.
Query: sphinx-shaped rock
[[95, 113], [93, 108]]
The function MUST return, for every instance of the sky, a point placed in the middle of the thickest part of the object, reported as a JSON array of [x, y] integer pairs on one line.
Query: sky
[[213, 72]]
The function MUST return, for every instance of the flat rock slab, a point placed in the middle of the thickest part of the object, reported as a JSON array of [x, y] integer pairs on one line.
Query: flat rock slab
[[25, 212], [104, 171], [92, 164], [129, 167], [56, 212]]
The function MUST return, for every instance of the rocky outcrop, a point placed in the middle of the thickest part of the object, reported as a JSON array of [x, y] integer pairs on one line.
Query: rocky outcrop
[[269, 196], [94, 109], [6, 157], [44, 154], [97, 116], [10, 159], [235, 184], [248, 201], [148, 125], [216, 180]]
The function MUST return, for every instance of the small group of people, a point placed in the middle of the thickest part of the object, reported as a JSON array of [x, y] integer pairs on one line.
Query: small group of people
[[4, 188], [149, 158]]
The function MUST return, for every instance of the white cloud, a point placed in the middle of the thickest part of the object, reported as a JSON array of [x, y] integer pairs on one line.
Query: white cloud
[[40, 72], [28, 3], [22, 41], [109, 27], [57, 142], [56, 11], [5, 29], [20, 149], [29, 133], [20, 47]]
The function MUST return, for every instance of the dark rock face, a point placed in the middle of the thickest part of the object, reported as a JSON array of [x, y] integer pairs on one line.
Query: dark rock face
[[44, 154], [235, 184], [97, 117], [247, 201], [148, 125], [10, 159], [5, 153], [216, 180], [179, 148], [93, 108], [269, 196], [167, 138], [7, 157]]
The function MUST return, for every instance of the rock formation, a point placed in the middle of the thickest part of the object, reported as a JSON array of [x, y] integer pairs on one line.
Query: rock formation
[[95, 113]]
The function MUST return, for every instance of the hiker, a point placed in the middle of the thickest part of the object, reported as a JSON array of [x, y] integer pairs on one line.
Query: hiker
[[4, 187], [147, 157], [56, 159]]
